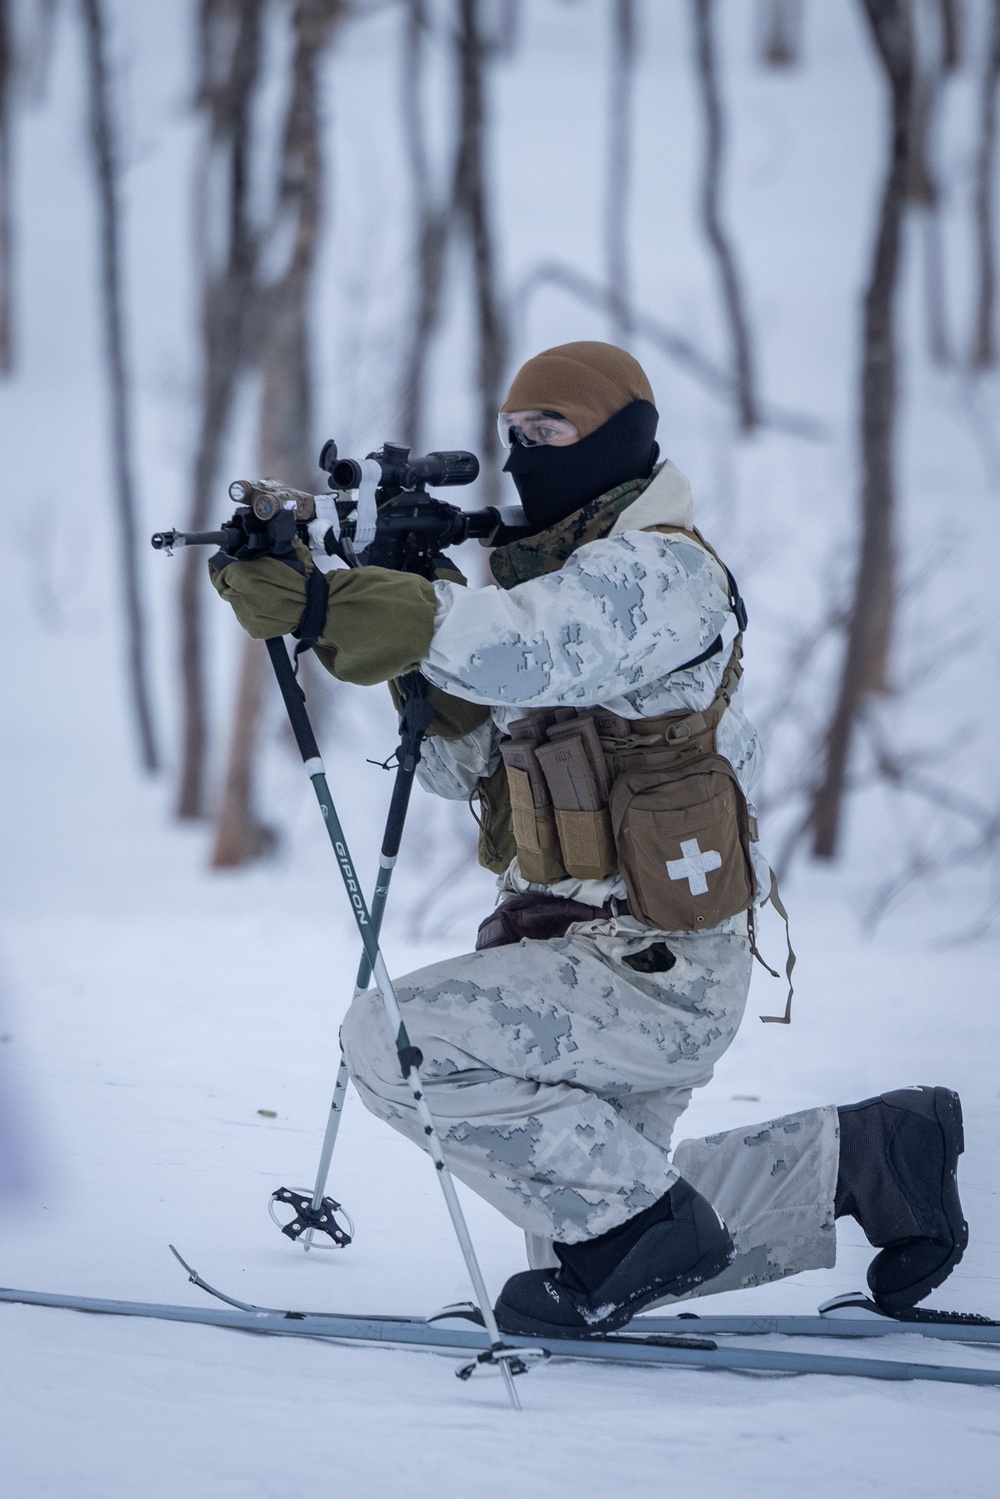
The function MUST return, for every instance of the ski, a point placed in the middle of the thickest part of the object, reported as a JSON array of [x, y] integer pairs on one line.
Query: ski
[[661, 1348], [850, 1316]]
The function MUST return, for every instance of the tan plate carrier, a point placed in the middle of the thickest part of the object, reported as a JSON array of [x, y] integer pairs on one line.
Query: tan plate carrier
[[593, 793]]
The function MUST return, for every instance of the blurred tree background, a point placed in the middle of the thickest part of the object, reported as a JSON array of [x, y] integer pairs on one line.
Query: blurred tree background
[[355, 190]]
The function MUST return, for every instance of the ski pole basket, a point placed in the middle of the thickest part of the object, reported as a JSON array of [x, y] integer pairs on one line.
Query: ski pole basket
[[322, 1219]]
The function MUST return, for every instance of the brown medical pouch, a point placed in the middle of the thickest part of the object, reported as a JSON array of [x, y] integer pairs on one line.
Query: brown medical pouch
[[683, 838], [532, 816]]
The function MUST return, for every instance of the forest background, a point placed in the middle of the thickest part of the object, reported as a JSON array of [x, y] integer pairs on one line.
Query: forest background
[[256, 291], [230, 229]]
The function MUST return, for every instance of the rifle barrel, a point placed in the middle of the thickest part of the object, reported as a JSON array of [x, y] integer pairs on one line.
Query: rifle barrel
[[166, 541]]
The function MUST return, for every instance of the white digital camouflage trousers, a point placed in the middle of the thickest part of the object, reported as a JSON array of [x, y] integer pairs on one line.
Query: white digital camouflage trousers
[[556, 1074]]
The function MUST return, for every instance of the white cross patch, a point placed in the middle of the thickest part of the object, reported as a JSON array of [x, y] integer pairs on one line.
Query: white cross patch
[[694, 866]]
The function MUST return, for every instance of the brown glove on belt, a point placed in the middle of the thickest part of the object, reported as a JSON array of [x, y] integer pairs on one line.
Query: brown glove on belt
[[540, 917]]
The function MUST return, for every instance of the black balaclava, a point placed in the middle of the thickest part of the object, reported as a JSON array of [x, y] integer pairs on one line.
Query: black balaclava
[[553, 482]]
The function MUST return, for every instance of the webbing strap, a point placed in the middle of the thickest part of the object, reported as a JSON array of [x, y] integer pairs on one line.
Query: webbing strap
[[739, 608], [313, 621], [706, 655], [711, 715], [775, 898], [727, 687], [678, 727]]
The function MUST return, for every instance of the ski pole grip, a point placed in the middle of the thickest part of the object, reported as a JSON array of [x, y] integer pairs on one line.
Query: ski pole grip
[[295, 699]]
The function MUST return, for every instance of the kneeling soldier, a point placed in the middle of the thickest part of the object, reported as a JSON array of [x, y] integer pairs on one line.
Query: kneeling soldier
[[591, 706]]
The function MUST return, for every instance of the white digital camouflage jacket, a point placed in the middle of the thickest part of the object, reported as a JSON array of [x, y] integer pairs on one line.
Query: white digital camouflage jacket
[[609, 630]]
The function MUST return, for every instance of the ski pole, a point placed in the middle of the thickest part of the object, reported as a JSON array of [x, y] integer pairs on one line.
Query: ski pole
[[415, 718], [409, 1055]]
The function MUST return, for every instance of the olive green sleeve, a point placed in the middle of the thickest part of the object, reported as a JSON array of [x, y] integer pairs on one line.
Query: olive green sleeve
[[379, 623], [453, 716]]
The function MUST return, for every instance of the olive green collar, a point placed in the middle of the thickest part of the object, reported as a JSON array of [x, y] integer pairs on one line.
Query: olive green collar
[[546, 551]]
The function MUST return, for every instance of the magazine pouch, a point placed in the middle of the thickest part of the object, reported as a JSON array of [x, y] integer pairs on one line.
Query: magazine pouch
[[578, 781], [532, 816]]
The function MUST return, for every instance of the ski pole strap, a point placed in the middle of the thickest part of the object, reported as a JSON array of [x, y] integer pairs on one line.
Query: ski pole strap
[[774, 897], [310, 626], [416, 714]]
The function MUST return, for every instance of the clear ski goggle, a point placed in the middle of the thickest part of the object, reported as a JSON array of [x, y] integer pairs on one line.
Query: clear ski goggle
[[535, 428]]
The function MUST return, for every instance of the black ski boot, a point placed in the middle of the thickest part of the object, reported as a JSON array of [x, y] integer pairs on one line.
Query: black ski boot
[[899, 1179], [601, 1284]]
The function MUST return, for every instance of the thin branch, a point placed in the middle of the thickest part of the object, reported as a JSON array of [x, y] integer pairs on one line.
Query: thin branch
[[984, 344], [779, 29], [732, 293], [799, 659], [865, 668], [38, 48], [6, 190], [619, 168], [283, 355], [107, 170], [719, 382], [433, 223], [230, 44], [983, 926], [973, 404], [952, 33], [923, 184], [898, 769], [471, 199]]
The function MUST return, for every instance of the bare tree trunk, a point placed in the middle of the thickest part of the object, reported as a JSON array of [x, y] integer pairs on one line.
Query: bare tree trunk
[[952, 34], [471, 200], [24, 71], [286, 390], [623, 49], [732, 294], [432, 226], [106, 168], [865, 668], [508, 27], [935, 283], [239, 836], [229, 39], [984, 344], [38, 48], [779, 32], [286, 435], [923, 188], [6, 190]]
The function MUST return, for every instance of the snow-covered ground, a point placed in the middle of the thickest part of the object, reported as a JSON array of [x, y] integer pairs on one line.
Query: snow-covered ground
[[150, 1010]]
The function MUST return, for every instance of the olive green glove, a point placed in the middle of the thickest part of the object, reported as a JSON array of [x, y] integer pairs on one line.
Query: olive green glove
[[379, 623], [453, 716]]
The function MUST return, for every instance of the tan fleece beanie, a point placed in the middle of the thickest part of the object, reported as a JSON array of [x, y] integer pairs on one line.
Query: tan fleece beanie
[[585, 382]]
